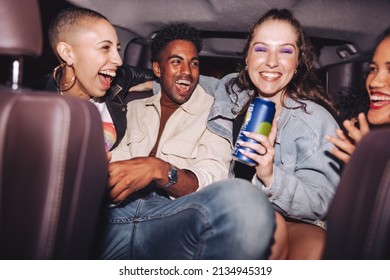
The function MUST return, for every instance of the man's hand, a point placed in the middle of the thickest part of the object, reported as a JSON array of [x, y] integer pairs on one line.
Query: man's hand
[[129, 176]]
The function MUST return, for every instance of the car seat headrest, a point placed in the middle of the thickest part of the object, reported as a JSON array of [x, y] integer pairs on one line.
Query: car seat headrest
[[21, 28], [138, 54]]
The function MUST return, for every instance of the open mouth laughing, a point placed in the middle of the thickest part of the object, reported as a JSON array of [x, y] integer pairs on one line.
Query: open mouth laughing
[[106, 77], [379, 100], [183, 85]]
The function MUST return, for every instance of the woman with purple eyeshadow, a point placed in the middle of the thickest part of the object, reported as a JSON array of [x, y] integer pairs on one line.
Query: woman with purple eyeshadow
[[294, 166]]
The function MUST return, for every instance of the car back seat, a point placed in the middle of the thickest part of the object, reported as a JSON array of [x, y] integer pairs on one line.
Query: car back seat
[[344, 83], [137, 53]]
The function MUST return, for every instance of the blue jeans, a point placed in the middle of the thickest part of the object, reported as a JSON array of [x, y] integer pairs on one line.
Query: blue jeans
[[230, 219]]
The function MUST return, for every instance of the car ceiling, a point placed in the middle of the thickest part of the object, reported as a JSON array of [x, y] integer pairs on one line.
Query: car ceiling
[[356, 21]]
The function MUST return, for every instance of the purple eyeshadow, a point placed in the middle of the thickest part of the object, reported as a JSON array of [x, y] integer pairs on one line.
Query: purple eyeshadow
[[260, 49], [286, 51]]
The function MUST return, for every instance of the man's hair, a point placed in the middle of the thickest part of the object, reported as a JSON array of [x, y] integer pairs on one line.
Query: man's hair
[[179, 31], [68, 21]]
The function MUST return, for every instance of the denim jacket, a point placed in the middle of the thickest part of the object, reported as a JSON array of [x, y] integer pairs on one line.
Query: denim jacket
[[305, 173]]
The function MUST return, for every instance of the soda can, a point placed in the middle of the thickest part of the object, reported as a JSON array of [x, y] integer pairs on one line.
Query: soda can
[[258, 119]]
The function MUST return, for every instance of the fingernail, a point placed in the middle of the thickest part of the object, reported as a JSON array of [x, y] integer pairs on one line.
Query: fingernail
[[114, 204]]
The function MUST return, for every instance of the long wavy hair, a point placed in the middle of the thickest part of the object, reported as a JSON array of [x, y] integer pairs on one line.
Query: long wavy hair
[[305, 85]]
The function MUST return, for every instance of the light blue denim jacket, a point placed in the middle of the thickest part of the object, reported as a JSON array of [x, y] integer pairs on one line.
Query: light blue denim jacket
[[305, 174]]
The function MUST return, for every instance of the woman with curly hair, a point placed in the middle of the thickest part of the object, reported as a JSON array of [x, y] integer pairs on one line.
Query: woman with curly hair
[[293, 164], [378, 92]]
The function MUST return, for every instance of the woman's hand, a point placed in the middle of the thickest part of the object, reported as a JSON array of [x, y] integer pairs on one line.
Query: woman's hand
[[346, 144], [265, 152]]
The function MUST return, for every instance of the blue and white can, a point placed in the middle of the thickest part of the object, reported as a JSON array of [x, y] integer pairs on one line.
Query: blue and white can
[[258, 119]]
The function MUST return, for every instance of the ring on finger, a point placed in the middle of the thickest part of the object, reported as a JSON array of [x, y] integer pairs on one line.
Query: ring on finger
[[266, 151]]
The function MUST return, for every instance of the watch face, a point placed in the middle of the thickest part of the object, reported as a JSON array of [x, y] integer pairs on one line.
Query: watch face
[[172, 175]]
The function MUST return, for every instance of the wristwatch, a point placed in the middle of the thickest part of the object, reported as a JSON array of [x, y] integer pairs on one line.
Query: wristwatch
[[173, 175]]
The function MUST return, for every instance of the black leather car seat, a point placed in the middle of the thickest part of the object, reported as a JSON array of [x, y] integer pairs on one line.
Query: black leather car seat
[[137, 53], [344, 83]]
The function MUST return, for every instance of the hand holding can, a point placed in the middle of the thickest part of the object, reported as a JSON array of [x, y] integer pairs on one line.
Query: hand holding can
[[258, 119]]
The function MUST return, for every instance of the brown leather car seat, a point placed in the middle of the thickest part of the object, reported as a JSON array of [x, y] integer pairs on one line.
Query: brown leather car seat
[[20, 34], [359, 215], [53, 165], [53, 175]]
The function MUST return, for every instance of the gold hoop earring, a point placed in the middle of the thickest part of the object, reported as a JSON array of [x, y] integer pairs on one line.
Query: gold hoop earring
[[57, 75]]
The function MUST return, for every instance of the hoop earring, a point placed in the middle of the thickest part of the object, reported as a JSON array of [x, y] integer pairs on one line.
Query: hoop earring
[[57, 75], [246, 67]]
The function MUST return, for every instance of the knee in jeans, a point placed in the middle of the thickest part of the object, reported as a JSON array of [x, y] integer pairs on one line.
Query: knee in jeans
[[247, 210], [246, 197]]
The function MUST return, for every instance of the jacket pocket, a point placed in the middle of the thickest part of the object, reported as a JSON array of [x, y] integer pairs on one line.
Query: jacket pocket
[[181, 149], [135, 136]]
